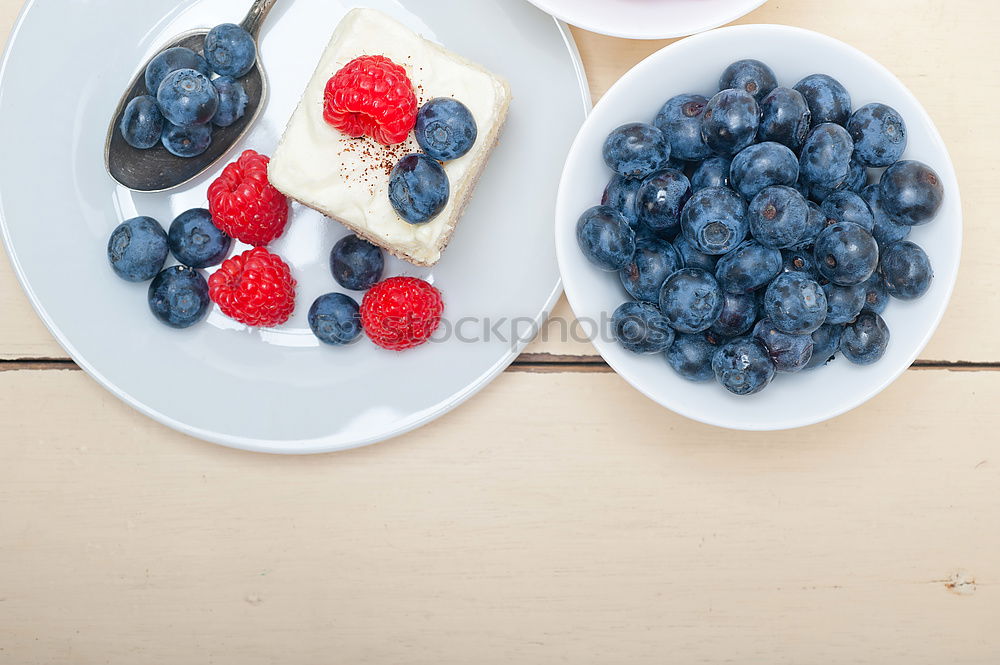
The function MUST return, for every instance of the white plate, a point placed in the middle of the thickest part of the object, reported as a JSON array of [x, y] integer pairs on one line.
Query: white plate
[[274, 390], [693, 65], [648, 19]]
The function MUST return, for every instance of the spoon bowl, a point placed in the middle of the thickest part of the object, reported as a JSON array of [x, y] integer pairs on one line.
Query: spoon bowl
[[156, 169]]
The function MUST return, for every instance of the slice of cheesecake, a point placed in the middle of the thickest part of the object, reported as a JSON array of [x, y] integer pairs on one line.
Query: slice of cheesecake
[[347, 178]]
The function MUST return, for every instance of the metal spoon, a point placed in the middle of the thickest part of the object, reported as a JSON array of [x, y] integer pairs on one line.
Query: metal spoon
[[155, 169]]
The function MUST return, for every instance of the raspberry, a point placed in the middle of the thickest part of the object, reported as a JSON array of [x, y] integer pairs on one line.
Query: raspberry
[[245, 205], [255, 288], [401, 312], [371, 96]]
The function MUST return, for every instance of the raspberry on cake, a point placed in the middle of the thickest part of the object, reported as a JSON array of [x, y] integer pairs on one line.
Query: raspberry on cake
[[320, 164]]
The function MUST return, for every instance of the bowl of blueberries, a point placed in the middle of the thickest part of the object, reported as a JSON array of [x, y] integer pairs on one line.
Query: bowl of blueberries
[[761, 225]]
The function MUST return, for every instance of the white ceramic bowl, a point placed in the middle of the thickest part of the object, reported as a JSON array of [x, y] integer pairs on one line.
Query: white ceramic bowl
[[693, 65], [648, 19]]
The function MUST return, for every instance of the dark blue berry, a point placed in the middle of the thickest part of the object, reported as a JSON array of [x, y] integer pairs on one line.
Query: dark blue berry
[[640, 328], [827, 98], [691, 257], [660, 200], [170, 61], [142, 123], [742, 366], [636, 149], [906, 270], [445, 129], [186, 141], [605, 238], [691, 300], [233, 101], [846, 254], [876, 296], [750, 76], [620, 194], [654, 260], [826, 343], [784, 118], [356, 264], [847, 206], [230, 50], [178, 296], [739, 311], [137, 249], [864, 341], [911, 192], [762, 165], [691, 357], [730, 121], [843, 303], [748, 267], [714, 220], [789, 353], [778, 217], [879, 134], [825, 161], [886, 231], [187, 97], [335, 319], [418, 188], [713, 172], [680, 121], [795, 303], [196, 241], [815, 223], [800, 259]]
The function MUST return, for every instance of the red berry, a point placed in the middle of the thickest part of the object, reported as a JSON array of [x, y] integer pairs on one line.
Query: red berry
[[255, 288], [401, 312], [245, 205], [371, 96]]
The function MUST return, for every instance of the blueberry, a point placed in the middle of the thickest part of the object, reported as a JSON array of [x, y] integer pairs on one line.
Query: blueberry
[[886, 231], [230, 50], [445, 129], [879, 134], [691, 357], [640, 328], [826, 343], [178, 296], [605, 238], [356, 264], [784, 118], [713, 172], [636, 149], [691, 300], [911, 192], [876, 296], [751, 76], [691, 257], [789, 353], [846, 206], [778, 217], [232, 101], [335, 319], [186, 141], [864, 341], [815, 223], [828, 100], [418, 188], [739, 311], [748, 267], [137, 249], [620, 194], [857, 179], [843, 303], [800, 259], [762, 165], [187, 97], [730, 121], [742, 366], [906, 270], [142, 123], [170, 61], [654, 260], [714, 220], [196, 241], [795, 303], [660, 200], [826, 157], [846, 254], [680, 121]]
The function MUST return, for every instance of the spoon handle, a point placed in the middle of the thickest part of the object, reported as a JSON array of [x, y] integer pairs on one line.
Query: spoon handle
[[255, 17]]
